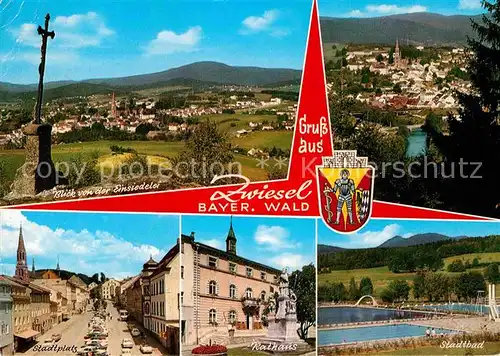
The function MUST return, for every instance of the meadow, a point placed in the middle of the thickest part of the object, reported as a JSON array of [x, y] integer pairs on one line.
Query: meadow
[[382, 276]]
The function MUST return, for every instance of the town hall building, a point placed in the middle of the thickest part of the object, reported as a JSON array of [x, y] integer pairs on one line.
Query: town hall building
[[222, 291]]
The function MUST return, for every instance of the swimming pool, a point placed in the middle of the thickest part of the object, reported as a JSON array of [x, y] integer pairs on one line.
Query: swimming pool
[[470, 308], [350, 335], [341, 315]]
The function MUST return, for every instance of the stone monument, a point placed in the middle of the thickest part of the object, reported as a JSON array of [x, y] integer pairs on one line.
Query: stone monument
[[38, 172], [283, 324]]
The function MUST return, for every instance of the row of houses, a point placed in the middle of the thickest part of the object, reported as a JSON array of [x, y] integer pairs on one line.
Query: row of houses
[[152, 298], [32, 302]]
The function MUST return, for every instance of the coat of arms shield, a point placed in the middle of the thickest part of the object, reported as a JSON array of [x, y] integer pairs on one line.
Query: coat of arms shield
[[345, 184]]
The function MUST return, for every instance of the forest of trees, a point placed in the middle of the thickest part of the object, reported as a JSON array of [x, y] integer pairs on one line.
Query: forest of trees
[[406, 259], [426, 285]]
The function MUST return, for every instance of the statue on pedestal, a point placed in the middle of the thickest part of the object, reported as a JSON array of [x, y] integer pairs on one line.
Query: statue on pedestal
[[283, 327]]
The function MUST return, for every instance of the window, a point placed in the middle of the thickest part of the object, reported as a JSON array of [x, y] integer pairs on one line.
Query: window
[[182, 298], [263, 276], [212, 316], [182, 272], [271, 289], [249, 272], [212, 262], [232, 317], [263, 295], [249, 293], [275, 279], [232, 291], [212, 288], [232, 267]]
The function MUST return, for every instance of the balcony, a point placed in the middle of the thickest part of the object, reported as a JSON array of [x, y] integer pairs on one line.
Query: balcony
[[250, 302]]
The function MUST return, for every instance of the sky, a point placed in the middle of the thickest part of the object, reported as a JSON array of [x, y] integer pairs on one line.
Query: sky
[[112, 38], [375, 8], [116, 244], [276, 242], [376, 231]]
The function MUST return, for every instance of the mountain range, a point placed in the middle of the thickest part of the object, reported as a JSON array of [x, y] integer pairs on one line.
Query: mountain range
[[213, 73], [398, 241], [421, 28]]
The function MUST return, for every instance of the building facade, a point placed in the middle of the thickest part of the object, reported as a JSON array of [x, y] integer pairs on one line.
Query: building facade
[[222, 290], [161, 299], [6, 329], [109, 289]]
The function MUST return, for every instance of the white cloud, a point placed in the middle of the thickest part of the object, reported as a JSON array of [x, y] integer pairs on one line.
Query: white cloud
[[76, 19], [290, 260], [259, 23], [356, 13], [214, 243], [386, 9], [273, 237], [72, 32], [469, 4], [90, 252], [167, 42], [263, 23], [372, 238]]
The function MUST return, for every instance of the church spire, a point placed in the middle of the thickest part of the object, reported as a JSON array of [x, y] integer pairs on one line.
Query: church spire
[[33, 264], [231, 239], [21, 265], [57, 268]]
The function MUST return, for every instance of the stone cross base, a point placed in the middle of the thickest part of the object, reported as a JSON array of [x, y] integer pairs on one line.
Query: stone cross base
[[37, 173]]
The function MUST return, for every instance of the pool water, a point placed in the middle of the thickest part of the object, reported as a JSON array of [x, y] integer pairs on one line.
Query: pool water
[[350, 335], [471, 308], [343, 315]]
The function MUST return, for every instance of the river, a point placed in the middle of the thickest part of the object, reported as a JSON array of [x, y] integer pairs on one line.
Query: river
[[417, 143]]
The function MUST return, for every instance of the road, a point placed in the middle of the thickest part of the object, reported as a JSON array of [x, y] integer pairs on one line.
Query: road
[[73, 332]]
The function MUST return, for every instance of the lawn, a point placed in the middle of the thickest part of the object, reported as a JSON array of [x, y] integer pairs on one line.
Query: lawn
[[381, 276]]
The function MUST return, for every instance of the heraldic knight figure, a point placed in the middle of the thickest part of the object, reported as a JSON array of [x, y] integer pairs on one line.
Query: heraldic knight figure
[[346, 188]]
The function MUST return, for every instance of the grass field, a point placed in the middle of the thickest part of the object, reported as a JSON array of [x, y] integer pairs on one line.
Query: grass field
[[262, 139], [155, 150], [329, 52], [381, 276], [483, 258], [234, 122]]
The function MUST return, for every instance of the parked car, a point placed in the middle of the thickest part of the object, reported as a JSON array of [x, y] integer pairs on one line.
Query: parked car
[[135, 332], [84, 351], [126, 352], [56, 337], [48, 342], [127, 343], [146, 349]]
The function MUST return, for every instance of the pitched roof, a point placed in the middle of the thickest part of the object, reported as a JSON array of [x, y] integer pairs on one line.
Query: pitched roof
[[229, 256]]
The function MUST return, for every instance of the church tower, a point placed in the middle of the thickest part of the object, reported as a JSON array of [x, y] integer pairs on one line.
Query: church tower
[[33, 264], [231, 239], [397, 54], [57, 267], [21, 265]]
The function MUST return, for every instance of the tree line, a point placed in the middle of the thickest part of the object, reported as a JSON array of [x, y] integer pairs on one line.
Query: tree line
[[426, 285], [407, 259]]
